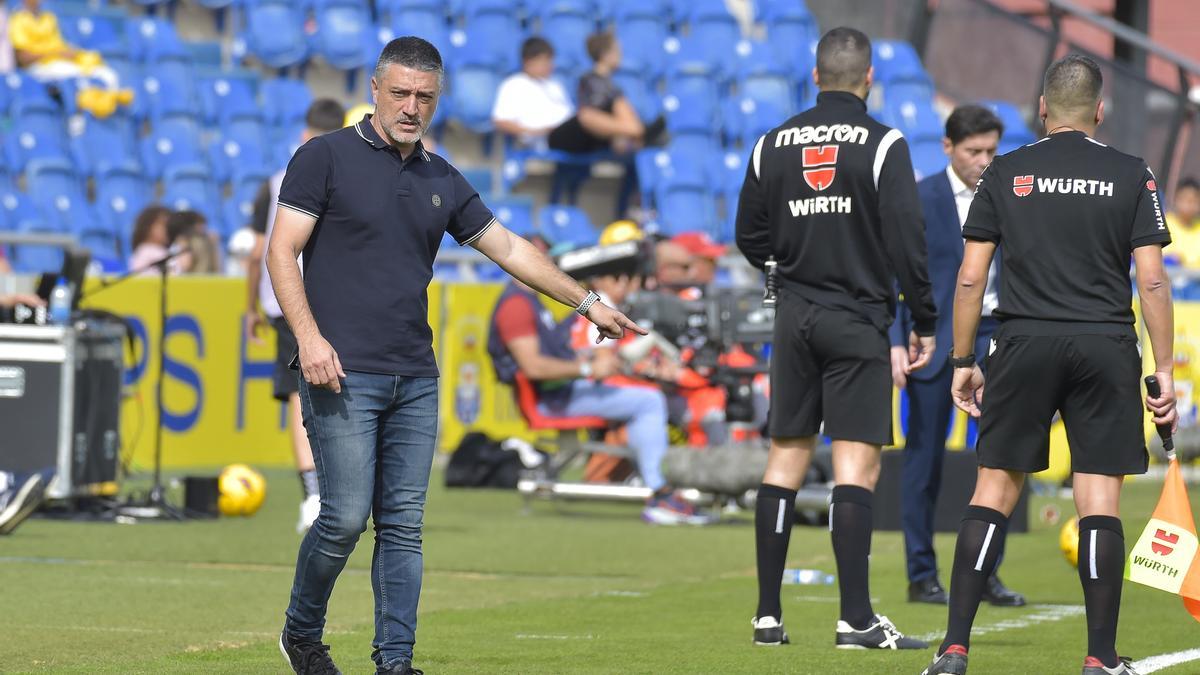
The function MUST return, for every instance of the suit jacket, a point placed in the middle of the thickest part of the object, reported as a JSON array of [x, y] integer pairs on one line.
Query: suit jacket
[[943, 237]]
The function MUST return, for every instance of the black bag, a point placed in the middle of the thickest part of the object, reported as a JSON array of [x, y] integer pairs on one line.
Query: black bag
[[479, 461]]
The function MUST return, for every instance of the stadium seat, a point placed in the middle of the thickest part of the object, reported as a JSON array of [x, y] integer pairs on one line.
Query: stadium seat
[[285, 141], [745, 120], [650, 163], [515, 214], [241, 154], [690, 58], [35, 134], [151, 39], [229, 96], [343, 26], [33, 258], [239, 208], [121, 194], [916, 119], [389, 8], [710, 24], [566, 225], [192, 188], [639, 91], [642, 38], [285, 100], [97, 144], [492, 38], [424, 22], [19, 87], [174, 142], [567, 25], [57, 192], [94, 28], [927, 158], [685, 204], [896, 61], [790, 29], [169, 89], [733, 175], [1016, 131], [474, 88], [691, 106], [274, 33]]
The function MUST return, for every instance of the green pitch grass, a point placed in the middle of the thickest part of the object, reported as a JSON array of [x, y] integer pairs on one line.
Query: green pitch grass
[[566, 588]]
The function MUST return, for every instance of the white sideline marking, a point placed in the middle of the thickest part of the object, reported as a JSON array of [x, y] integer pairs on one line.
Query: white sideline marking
[[1153, 664], [1044, 614], [527, 636], [619, 594]]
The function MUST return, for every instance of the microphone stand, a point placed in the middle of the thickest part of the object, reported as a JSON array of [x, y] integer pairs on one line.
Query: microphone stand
[[155, 505]]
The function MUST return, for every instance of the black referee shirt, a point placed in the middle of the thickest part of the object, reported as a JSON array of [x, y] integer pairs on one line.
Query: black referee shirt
[[831, 194], [369, 260], [1068, 212]]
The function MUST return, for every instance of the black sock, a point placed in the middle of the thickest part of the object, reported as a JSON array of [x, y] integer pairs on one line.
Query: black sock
[[850, 527], [774, 514], [1101, 569], [308, 483], [980, 545]]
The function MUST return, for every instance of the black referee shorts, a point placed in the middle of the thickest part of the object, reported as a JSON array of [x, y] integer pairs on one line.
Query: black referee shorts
[[286, 380], [1094, 380], [833, 366]]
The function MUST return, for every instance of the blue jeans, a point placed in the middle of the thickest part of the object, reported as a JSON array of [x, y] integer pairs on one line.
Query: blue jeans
[[643, 410], [373, 446]]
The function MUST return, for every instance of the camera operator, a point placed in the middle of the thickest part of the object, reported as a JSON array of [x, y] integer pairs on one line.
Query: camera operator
[[524, 337], [20, 494]]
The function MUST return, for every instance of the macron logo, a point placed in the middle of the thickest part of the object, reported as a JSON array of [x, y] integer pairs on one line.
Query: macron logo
[[842, 133]]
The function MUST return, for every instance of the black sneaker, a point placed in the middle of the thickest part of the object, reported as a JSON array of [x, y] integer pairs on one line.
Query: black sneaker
[[768, 631], [25, 500], [1094, 666], [401, 668], [953, 661], [307, 658], [882, 634]]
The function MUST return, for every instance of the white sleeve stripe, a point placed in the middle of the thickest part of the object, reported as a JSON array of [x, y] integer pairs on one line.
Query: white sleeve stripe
[[479, 234], [758, 155], [297, 208], [881, 152]]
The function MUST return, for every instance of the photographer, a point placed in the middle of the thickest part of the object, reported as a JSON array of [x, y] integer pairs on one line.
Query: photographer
[[525, 338]]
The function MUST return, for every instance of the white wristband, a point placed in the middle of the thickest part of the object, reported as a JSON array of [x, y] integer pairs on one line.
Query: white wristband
[[587, 303], [585, 370]]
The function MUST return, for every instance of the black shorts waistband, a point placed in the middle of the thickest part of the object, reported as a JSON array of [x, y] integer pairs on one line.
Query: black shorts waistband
[[1065, 328]]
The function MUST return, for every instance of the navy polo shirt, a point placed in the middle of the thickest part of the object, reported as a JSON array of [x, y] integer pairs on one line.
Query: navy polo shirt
[[368, 263]]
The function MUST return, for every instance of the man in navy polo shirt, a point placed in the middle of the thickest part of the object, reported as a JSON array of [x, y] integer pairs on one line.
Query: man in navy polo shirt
[[367, 206]]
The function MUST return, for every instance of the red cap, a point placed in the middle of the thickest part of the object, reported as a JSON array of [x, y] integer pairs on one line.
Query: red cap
[[699, 244]]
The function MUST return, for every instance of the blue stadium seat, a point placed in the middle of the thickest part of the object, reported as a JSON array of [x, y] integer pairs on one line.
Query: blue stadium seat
[[121, 194], [152, 39], [34, 258], [285, 100], [94, 28], [916, 119], [205, 54], [191, 188], [650, 164], [424, 22], [97, 144], [685, 205], [19, 87], [790, 29], [690, 58], [35, 134], [343, 26], [57, 192], [239, 208], [896, 61], [229, 96], [639, 91], [275, 33], [691, 106], [389, 8], [1016, 131], [732, 176], [169, 89], [711, 24], [489, 37], [567, 25], [241, 153], [174, 142], [927, 158], [745, 120], [621, 11], [472, 92], [285, 140], [105, 246], [469, 9], [566, 225], [642, 39], [515, 214]]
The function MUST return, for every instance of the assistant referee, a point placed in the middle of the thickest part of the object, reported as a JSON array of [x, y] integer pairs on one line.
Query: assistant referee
[[830, 194], [1068, 211]]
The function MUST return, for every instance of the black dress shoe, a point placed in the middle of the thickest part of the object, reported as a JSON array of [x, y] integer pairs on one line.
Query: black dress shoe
[[999, 595], [928, 590]]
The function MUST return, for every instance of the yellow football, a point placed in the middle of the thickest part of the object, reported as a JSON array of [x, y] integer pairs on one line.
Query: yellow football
[[1068, 541], [242, 490]]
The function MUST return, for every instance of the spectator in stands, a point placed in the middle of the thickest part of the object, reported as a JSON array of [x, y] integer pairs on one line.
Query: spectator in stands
[[605, 118], [150, 240], [704, 252], [41, 49], [323, 116], [532, 103], [189, 230], [1184, 223], [524, 338], [673, 264]]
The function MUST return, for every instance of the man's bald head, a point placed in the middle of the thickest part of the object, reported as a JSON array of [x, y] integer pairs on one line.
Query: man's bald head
[[843, 59], [1071, 89]]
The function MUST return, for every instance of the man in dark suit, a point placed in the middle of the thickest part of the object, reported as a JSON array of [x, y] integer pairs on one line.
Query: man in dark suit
[[972, 135]]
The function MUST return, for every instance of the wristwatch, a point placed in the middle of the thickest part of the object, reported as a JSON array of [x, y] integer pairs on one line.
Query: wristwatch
[[967, 361], [587, 303], [585, 369]]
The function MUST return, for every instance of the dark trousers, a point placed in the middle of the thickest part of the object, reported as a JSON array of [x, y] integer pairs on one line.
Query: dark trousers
[[930, 409]]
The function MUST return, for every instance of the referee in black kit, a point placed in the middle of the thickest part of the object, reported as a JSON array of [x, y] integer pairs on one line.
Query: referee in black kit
[[1068, 211], [831, 196]]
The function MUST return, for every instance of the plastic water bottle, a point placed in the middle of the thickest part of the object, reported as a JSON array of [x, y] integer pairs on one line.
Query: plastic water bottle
[[808, 577], [60, 304]]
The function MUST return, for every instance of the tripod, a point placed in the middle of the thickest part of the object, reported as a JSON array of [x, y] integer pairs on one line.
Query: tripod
[[155, 505]]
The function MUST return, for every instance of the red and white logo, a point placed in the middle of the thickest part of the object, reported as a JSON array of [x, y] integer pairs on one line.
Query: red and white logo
[[820, 166], [1162, 535], [1151, 185], [1022, 185]]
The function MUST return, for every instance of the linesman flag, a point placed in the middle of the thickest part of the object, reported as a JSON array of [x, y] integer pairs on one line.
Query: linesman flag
[[1164, 557]]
